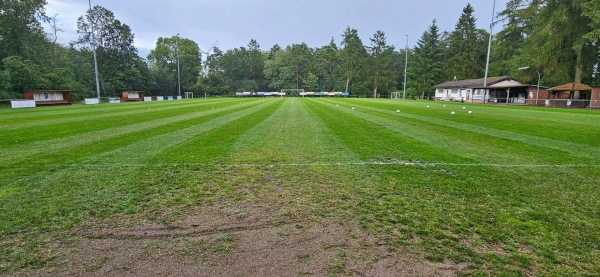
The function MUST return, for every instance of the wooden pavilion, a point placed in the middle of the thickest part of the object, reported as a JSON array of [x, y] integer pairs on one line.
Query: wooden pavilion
[[130, 96], [49, 97], [565, 96]]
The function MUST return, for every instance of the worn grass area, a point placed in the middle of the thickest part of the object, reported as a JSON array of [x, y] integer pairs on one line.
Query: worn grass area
[[506, 190]]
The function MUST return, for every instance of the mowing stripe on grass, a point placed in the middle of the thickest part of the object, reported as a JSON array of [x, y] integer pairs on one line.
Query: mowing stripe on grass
[[80, 187], [97, 114], [376, 143], [578, 150], [291, 134], [216, 145], [146, 149], [8, 115], [36, 148], [444, 138]]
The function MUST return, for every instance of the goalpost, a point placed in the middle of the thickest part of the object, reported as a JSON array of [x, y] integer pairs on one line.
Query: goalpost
[[292, 92]]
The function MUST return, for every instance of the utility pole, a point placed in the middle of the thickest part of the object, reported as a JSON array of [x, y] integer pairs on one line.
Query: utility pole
[[405, 68], [94, 49], [487, 63]]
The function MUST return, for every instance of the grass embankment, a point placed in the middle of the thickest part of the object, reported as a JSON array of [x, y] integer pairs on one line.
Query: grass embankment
[[509, 190]]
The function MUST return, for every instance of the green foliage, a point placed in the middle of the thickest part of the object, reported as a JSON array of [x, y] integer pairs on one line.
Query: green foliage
[[289, 67], [467, 48], [326, 66], [119, 66], [381, 74], [427, 62], [163, 61], [20, 27], [353, 55], [556, 43], [592, 11], [557, 38]]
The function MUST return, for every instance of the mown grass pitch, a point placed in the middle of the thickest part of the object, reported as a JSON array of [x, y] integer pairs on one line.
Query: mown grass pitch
[[507, 190]]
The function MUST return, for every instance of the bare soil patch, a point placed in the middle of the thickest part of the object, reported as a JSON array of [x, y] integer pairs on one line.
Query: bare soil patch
[[234, 240]]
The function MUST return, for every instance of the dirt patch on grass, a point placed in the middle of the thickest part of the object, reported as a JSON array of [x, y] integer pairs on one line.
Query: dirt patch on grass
[[235, 240]]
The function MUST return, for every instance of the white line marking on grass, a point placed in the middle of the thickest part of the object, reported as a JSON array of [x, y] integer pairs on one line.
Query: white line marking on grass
[[403, 163]]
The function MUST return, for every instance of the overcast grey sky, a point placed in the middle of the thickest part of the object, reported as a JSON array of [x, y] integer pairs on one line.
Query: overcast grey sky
[[234, 22]]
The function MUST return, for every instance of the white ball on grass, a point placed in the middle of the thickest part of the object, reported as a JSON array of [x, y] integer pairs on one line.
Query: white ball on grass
[[427, 106], [353, 108], [470, 112], [464, 108], [397, 111], [444, 106], [337, 105], [452, 113]]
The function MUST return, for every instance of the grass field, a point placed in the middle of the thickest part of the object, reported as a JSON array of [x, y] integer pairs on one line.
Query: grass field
[[502, 191]]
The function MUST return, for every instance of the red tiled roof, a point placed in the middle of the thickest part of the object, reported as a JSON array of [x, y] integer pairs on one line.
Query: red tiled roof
[[571, 87]]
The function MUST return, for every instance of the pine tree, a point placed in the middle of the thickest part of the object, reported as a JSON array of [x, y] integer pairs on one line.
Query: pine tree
[[558, 42], [512, 39], [427, 62], [381, 74], [467, 48], [353, 55]]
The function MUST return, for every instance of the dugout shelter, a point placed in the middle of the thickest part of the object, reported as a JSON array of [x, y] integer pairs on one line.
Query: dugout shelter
[[49, 97]]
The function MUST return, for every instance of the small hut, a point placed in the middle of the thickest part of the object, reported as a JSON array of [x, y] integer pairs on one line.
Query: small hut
[[49, 97], [130, 96], [564, 96]]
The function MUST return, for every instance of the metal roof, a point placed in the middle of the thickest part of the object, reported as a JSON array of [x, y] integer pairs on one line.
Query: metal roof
[[472, 83]]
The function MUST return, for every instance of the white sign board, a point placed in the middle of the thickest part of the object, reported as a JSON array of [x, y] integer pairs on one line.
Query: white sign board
[[114, 100], [92, 101], [159, 98], [147, 99], [22, 104], [178, 97]]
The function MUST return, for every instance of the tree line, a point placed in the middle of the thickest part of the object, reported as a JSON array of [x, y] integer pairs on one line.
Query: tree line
[[557, 39]]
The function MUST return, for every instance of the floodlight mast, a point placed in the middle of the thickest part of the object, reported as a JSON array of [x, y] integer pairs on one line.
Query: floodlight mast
[[487, 63], [94, 49], [405, 68], [537, 90], [178, 70]]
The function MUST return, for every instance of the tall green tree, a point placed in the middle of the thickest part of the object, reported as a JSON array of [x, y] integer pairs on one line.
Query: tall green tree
[[558, 41], [163, 63], [326, 66], [20, 27], [290, 67], [353, 56], [118, 62], [512, 39], [427, 62], [381, 72], [467, 48], [592, 11]]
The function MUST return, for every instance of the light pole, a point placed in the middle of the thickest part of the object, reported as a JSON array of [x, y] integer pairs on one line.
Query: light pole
[[405, 67], [94, 49], [178, 71], [487, 63], [537, 91]]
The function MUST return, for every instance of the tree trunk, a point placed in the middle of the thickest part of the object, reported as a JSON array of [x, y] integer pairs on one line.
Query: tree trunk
[[347, 83], [578, 71], [375, 92]]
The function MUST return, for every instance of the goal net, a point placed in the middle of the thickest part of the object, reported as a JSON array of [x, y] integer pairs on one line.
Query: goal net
[[292, 92]]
